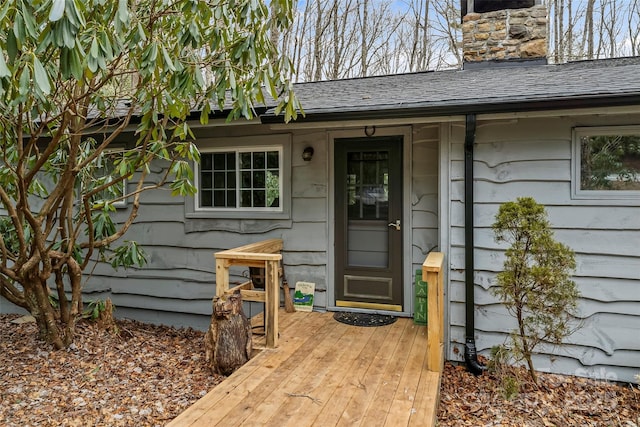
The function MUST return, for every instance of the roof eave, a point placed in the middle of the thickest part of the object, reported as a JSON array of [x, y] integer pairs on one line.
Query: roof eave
[[403, 112]]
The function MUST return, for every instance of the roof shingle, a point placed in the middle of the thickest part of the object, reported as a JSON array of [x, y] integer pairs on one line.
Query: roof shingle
[[480, 89]]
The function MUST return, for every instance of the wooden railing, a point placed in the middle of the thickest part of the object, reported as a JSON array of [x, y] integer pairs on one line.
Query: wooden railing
[[265, 254], [432, 271]]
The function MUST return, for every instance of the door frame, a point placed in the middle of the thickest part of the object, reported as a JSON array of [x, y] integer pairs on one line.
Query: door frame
[[407, 276]]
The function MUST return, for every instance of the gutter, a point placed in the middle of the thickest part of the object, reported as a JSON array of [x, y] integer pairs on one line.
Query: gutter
[[453, 108], [470, 353]]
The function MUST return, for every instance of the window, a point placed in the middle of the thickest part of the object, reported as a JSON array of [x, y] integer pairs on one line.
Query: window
[[103, 172], [606, 162], [244, 179]]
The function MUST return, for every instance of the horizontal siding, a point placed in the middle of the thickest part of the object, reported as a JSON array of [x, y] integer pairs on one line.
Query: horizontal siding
[[424, 196], [178, 282], [532, 157]]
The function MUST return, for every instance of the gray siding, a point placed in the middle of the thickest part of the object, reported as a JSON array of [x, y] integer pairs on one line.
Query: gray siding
[[424, 197], [532, 157], [177, 284]]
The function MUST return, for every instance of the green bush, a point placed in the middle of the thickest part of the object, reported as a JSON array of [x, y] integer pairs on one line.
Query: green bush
[[535, 285]]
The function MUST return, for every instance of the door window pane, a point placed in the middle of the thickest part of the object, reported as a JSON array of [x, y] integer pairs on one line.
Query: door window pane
[[368, 185]]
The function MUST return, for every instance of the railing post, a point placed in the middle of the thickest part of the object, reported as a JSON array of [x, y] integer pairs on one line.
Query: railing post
[[272, 302], [262, 254], [222, 276], [432, 271]]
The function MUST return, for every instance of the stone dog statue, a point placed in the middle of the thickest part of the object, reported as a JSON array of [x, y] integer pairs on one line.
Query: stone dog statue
[[228, 343]]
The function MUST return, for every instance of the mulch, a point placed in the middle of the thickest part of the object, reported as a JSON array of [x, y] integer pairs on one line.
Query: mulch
[[558, 400], [146, 375]]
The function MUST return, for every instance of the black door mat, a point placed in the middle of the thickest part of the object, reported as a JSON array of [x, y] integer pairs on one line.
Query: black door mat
[[364, 319]]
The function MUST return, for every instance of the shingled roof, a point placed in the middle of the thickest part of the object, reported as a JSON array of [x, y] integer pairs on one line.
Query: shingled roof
[[487, 89]]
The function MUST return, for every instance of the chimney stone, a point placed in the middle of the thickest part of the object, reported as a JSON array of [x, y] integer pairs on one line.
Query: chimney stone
[[510, 34]]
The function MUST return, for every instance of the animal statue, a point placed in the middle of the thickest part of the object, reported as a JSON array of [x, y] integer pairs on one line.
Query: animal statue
[[228, 342]]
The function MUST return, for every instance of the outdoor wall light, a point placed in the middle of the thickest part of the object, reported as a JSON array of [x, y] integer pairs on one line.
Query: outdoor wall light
[[307, 154]]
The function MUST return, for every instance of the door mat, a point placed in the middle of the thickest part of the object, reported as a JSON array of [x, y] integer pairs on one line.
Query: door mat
[[364, 319]]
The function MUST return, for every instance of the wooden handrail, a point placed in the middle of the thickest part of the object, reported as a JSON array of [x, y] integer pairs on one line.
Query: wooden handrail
[[264, 254], [433, 274]]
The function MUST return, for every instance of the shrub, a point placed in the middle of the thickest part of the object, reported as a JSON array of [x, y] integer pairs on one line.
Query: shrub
[[535, 285]]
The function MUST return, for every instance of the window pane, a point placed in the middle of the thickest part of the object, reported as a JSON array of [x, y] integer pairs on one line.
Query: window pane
[[246, 180], [206, 161], [610, 162], [231, 199], [231, 179], [219, 181], [219, 198], [106, 173], [205, 198], [258, 160], [259, 199], [245, 160], [258, 179], [231, 160], [367, 185], [219, 161], [245, 198], [206, 180], [273, 160], [273, 189]]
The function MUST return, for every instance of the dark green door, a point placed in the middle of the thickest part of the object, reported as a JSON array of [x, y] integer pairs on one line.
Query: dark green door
[[368, 223]]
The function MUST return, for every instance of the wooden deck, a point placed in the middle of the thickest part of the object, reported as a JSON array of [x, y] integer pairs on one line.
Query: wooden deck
[[325, 373]]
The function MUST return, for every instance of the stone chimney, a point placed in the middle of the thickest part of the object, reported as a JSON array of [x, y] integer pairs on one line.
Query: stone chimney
[[496, 30]]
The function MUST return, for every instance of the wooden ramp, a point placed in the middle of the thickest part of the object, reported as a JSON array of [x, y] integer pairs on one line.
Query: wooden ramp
[[325, 373]]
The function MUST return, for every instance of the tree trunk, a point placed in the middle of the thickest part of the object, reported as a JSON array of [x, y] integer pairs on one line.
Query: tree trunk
[[317, 43], [228, 342], [588, 24], [364, 49]]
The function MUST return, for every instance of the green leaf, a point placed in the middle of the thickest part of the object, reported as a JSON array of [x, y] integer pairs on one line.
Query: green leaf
[[29, 22], [94, 50], [18, 29], [4, 70], [4, 9], [167, 59], [68, 34], [42, 78], [57, 10], [12, 47], [25, 81], [75, 64], [123, 11]]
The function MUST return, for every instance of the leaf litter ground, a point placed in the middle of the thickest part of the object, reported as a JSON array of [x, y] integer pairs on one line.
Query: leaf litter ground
[[144, 376], [467, 400], [148, 374]]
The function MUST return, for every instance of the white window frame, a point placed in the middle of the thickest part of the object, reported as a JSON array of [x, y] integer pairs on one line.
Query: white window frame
[[276, 142], [608, 196], [238, 151]]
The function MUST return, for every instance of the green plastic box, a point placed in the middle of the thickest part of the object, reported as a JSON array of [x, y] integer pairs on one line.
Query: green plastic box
[[420, 300]]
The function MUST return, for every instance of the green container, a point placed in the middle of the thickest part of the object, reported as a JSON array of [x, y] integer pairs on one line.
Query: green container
[[420, 300]]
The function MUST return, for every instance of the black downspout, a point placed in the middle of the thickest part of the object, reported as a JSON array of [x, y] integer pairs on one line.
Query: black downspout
[[470, 353]]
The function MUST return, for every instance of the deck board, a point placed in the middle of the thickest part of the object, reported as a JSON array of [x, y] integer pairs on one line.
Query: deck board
[[325, 373]]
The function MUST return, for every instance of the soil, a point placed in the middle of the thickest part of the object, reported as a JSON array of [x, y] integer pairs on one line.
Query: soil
[[146, 375]]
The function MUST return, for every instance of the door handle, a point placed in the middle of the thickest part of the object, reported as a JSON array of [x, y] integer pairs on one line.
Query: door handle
[[395, 224]]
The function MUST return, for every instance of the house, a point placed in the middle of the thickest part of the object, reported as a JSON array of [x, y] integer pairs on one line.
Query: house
[[383, 170]]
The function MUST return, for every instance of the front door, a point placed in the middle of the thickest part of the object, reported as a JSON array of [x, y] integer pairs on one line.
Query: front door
[[368, 226]]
